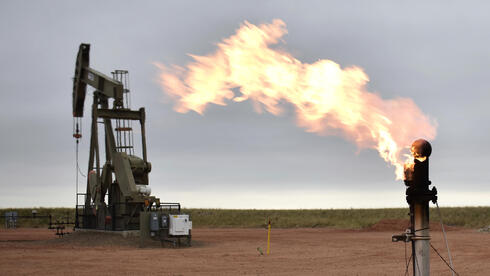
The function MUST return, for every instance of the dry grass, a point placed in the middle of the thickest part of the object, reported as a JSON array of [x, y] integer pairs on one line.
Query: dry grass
[[471, 217], [60, 214]]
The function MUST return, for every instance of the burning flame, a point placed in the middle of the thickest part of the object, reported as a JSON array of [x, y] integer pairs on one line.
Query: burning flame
[[327, 99]]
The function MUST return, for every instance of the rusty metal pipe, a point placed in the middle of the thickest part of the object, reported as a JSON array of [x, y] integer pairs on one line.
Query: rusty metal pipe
[[418, 197]]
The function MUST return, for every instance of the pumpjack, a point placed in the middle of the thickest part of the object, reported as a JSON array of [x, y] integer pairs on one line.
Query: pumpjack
[[117, 194]]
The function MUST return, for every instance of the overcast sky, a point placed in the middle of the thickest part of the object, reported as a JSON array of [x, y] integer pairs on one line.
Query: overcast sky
[[438, 54]]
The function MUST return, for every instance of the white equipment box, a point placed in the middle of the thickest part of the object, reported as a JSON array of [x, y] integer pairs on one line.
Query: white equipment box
[[180, 225]]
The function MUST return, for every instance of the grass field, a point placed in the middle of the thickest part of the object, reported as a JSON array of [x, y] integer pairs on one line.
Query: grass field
[[471, 217]]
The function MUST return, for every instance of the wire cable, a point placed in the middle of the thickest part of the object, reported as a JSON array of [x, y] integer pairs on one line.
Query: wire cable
[[76, 173], [445, 239], [452, 270], [78, 166], [408, 263], [417, 265]]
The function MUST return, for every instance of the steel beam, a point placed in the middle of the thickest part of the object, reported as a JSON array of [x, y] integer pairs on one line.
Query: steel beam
[[120, 114]]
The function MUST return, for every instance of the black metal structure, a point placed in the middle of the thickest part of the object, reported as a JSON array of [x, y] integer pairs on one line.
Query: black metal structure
[[418, 196]]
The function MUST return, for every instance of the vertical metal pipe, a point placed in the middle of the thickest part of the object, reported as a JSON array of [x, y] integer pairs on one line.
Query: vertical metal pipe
[[421, 242], [418, 197], [143, 133]]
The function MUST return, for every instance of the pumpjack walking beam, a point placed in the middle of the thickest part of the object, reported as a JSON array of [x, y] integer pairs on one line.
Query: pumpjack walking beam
[[85, 75]]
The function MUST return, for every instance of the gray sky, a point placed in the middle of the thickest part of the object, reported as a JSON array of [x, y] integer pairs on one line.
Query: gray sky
[[437, 54]]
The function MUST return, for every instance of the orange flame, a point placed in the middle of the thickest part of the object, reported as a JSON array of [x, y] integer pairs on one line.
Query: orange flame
[[327, 99]]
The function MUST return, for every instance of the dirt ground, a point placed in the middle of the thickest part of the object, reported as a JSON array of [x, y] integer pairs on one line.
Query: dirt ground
[[232, 251]]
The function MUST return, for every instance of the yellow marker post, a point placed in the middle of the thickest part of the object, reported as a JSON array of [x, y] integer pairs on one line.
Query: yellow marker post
[[269, 238]]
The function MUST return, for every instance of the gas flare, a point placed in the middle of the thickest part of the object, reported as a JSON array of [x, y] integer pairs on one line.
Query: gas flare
[[327, 99]]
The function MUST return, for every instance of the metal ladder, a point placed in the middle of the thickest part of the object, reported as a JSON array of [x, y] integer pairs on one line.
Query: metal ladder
[[124, 128]]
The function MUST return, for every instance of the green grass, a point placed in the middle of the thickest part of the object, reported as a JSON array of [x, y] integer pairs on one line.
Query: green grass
[[471, 217]]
